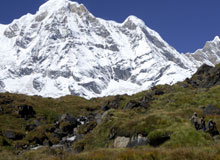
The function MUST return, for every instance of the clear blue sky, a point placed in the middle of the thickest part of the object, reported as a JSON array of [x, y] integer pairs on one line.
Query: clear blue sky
[[184, 24]]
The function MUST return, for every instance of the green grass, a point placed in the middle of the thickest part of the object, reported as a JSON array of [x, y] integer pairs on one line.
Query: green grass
[[167, 114]]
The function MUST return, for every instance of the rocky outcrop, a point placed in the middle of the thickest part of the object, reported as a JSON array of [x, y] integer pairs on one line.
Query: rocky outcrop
[[132, 104], [205, 77], [114, 104], [13, 135], [32, 125], [138, 141], [144, 102], [123, 142]]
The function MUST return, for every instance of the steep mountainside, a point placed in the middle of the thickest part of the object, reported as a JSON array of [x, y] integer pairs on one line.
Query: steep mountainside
[[63, 49]]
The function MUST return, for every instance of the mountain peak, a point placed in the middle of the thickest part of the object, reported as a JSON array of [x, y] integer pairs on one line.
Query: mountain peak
[[64, 49], [133, 21], [216, 39], [53, 5]]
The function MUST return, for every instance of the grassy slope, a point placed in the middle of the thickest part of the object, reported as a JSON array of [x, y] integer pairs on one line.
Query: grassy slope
[[168, 114]]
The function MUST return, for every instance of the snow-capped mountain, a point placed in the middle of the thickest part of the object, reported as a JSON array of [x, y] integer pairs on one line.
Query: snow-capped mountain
[[209, 54], [63, 49]]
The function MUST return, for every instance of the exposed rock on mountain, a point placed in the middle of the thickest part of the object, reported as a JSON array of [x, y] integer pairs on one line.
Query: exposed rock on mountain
[[205, 77], [209, 54]]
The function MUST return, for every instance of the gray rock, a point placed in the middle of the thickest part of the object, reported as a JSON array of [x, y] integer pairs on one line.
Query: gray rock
[[41, 17], [114, 48], [132, 104], [121, 142], [69, 118], [24, 41], [99, 46], [2, 84], [138, 141], [37, 84], [102, 31], [32, 125], [10, 134], [79, 10], [123, 74], [12, 31], [130, 25], [92, 86], [153, 39], [25, 71], [112, 104]]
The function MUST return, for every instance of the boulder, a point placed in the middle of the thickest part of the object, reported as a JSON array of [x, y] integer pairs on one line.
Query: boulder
[[211, 110], [25, 111], [121, 142], [138, 141], [70, 119], [13, 135], [32, 125], [112, 104], [148, 98], [66, 125], [132, 104]]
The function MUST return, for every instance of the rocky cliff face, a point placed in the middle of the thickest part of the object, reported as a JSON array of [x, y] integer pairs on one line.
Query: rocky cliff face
[[63, 49], [209, 54]]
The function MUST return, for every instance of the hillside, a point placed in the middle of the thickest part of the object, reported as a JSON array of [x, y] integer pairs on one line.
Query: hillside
[[153, 124]]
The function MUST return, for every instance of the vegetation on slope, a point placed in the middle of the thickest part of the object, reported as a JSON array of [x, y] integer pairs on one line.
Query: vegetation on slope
[[160, 114]]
